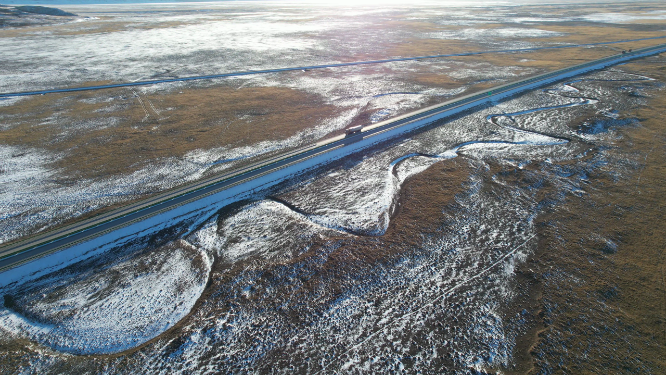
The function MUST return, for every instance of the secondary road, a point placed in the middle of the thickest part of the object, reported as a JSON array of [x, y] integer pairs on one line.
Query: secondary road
[[278, 70], [37, 246]]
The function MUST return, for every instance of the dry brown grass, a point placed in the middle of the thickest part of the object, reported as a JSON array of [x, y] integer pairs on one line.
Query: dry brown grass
[[429, 47], [419, 211], [204, 118], [631, 211], [608, 304], [581, 33], [103, 25], [154, 126]]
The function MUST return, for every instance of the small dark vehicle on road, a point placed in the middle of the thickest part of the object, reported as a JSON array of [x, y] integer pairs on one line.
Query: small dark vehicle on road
[[353, 130]]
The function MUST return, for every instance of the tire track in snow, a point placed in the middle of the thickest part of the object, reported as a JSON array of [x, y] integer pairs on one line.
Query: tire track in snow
[[136, 95]]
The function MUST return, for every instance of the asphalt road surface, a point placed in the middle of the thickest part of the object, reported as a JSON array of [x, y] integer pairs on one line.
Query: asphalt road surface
[[46, 243]]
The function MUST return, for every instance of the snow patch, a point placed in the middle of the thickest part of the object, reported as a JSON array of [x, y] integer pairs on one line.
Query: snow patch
[[114, 309]]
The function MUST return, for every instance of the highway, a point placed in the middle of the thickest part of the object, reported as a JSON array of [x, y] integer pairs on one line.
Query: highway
[[311, 67], [32, 248]]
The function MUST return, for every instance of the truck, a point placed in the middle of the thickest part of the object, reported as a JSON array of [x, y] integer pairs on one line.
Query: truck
[[353, 130]]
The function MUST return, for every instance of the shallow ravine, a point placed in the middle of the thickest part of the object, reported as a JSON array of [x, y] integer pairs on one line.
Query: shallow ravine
[[113, 309], [371, 215], [38, 196], [263, 269]]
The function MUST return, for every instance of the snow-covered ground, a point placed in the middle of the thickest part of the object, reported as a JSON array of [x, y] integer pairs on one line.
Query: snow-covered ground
[[32, 202], [153, 41], [106, 306], [448, 294], [224, 39], [114, 308]]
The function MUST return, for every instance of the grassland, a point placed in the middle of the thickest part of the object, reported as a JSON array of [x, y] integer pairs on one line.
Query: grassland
[[120, 131], [595, 289], [116, 132], [602, 287]]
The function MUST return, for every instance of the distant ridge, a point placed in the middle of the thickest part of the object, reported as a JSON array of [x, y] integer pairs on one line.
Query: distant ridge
[[44, 10]]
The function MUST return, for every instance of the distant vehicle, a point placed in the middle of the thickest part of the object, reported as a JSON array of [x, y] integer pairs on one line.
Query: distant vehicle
[[353, 130]]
